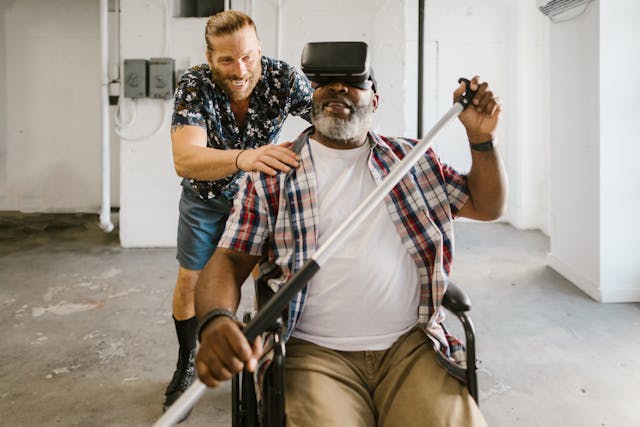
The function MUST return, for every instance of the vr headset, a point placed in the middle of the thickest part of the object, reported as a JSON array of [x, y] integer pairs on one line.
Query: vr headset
[[348, 62]]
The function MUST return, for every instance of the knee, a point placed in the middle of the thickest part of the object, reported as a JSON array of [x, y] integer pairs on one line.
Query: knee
[[187, 279]]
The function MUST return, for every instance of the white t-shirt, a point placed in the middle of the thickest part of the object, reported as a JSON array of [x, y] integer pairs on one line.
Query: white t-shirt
[[366, 295]]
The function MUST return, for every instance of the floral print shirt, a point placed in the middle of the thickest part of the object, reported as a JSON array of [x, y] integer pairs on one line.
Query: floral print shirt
[[280, 91]]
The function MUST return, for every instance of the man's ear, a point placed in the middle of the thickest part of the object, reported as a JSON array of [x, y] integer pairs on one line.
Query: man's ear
[[375, 99]]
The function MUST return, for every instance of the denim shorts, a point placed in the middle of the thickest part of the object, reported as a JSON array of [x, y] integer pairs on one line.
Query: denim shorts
[[200, 226]]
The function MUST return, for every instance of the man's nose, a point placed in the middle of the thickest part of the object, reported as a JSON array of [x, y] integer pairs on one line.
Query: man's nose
[[338, 86], [239, 69]]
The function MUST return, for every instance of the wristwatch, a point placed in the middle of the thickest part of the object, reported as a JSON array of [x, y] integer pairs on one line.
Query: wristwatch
[[482, 146]]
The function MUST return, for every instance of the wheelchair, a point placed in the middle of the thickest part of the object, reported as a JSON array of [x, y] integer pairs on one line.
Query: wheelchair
[[266, 407]]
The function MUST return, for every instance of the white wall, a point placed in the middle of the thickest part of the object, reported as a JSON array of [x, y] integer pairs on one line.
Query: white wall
[[149, 186], [59, 170], [594, 149], [464, 38], [51, 136], [50, 107], [505, 43], [501, 40], [619, 149], [527, 117], [569, 91], [575, 170]]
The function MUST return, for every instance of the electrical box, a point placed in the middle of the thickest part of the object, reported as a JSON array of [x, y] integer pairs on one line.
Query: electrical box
[[161, 78], [135, 78]]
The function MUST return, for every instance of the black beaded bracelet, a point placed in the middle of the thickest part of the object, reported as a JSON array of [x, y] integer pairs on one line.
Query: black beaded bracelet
[[482, 146], [210, 316]]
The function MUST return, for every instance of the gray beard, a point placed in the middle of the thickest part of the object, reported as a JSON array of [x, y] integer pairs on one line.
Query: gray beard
[[349, 130]]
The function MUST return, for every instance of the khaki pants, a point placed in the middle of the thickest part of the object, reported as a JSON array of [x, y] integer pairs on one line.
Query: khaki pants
[[403, 386]]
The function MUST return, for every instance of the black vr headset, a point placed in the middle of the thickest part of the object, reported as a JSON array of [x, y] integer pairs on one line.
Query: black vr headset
[[348, 62]]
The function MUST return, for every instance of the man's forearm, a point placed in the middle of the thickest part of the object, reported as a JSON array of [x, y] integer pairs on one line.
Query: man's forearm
[[220, 281], [204, 163], [487, 184]]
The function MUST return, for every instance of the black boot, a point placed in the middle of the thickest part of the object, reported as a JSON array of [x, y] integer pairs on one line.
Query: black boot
[[182, 378], [185, 372]]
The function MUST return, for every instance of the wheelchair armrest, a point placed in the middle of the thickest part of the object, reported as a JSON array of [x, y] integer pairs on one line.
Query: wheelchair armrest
[[456, 300]]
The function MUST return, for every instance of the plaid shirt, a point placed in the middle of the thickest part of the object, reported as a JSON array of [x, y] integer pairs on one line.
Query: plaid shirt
[[277, 217]]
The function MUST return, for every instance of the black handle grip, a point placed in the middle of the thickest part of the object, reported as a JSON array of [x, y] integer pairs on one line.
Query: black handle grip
[[271, 311], [466, 98]]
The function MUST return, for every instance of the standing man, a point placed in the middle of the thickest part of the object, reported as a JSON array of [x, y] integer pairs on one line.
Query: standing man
[[226, 115], [362, 335]]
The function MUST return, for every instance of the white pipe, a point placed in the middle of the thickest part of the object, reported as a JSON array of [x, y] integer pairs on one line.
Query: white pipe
[[279, 31], [226, 5], [105, 212], [167, 25]]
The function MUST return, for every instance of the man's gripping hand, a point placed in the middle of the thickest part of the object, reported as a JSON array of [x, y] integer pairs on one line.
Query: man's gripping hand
[[480, 119], [224, 351]]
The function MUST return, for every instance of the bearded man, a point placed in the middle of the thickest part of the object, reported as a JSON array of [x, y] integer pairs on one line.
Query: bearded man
[[227, 114], [361, 337]]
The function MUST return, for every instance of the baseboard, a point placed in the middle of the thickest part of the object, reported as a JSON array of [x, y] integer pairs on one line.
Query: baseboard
[[582, 282], [585, 284]]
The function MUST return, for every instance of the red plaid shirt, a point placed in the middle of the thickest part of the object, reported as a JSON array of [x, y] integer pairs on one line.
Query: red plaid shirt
[[277, 217]]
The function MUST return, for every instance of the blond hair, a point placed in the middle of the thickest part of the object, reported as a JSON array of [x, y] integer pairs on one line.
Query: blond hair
[[226, 22]]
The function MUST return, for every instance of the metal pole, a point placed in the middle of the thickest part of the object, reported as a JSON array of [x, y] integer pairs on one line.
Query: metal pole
[[270, 312], [182, 405], [370, 203], [420, 64]]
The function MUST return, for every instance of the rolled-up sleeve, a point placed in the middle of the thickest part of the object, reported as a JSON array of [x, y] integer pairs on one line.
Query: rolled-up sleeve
[[246, 229], [457, 188], [188, 107]]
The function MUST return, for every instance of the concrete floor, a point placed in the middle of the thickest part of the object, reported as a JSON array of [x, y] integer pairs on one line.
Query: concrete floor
[[87, 337]]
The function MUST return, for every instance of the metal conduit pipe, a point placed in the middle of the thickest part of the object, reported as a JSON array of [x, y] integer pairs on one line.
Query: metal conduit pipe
[[279, 31], [105, 211], [420, 65]]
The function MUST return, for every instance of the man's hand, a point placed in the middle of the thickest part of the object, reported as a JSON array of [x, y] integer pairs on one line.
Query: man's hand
[[224, 351], [268, 159], [480, 119]]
